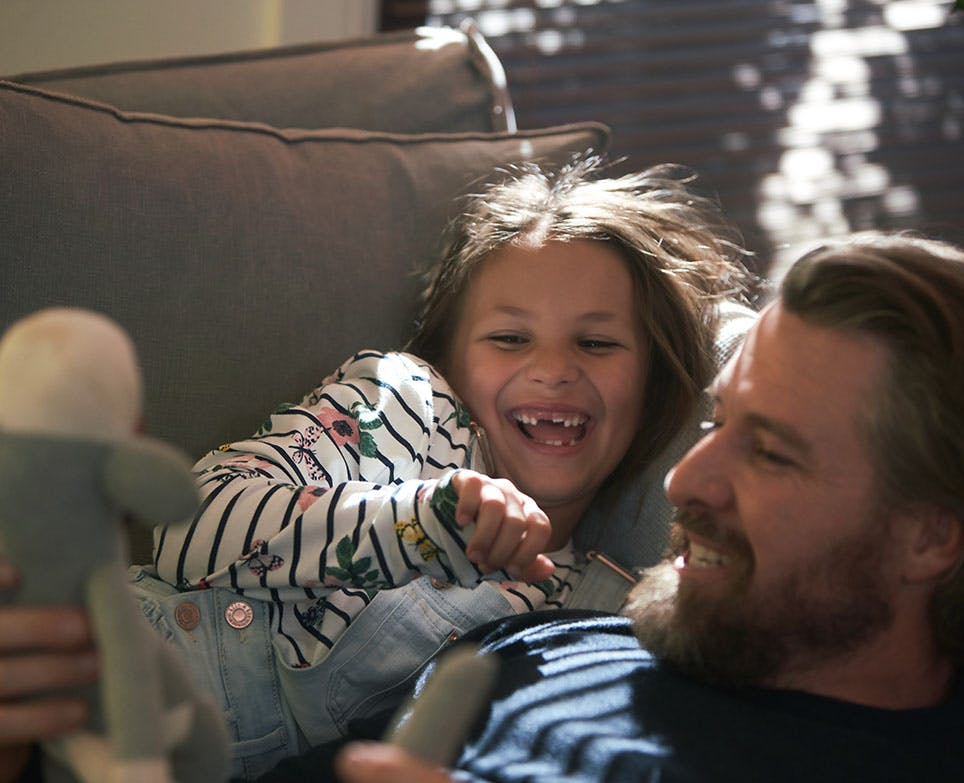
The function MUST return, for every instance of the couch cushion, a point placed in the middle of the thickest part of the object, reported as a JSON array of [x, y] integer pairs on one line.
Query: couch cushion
[[246, 261], [416, 81]]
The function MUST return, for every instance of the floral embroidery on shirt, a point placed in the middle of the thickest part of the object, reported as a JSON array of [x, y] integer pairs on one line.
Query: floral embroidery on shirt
[[307, 496], [340, 428], [313, 615], [267, 425], [259, 561], [411, 532], [357, 573], [303, 451], [240, 466], [368, 418], [461, 415]]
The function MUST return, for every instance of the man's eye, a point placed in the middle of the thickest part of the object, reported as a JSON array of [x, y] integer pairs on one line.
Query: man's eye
[[774, 458]]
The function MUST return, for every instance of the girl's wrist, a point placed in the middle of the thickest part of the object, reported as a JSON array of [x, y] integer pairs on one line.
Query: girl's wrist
[[445, 499]]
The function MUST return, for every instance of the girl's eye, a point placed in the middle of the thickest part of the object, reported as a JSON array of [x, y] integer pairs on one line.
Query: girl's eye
[[707, 426], [598, 344], [508, 340]]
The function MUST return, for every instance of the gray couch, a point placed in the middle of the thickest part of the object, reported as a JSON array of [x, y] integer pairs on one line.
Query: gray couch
[[252, 219]]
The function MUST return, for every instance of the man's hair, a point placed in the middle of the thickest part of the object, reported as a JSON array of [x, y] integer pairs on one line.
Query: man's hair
[[908, 293], [683, 256]]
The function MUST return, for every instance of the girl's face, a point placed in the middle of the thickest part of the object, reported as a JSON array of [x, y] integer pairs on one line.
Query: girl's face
[[550, 358]]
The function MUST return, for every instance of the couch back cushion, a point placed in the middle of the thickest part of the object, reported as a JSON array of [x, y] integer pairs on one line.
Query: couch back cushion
[[245, 261], [416, 81]]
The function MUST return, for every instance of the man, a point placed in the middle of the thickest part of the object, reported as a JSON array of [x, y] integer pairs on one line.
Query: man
[[811, 624]]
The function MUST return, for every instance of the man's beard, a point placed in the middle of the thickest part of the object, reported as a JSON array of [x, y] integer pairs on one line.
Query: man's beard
[[745, 634]]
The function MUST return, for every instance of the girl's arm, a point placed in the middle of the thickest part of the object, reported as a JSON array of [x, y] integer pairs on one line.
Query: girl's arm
[[336, 491]]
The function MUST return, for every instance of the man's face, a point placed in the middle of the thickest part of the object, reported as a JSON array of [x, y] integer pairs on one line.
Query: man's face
[[785, 559]]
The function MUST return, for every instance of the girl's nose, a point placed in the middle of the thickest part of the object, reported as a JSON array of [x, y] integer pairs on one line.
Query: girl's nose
[[701, 477], [552, 367]]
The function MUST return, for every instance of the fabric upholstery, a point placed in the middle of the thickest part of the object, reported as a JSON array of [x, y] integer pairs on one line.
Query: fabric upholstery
[[246, 261], [415, 81]]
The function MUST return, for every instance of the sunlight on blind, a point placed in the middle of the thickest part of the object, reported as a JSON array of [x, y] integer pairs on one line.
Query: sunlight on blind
[[831, 129], [809, 117]]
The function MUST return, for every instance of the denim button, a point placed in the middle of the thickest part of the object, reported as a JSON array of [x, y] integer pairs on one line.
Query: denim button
[[187, 615], [239, 615]]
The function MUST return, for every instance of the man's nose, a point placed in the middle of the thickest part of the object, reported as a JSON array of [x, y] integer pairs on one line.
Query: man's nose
[[702, 477]]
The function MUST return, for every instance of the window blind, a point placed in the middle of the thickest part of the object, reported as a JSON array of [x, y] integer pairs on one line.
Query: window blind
[[808, 118]]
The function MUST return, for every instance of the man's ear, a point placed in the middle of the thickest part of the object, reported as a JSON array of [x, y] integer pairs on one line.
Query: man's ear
[[936, 545]]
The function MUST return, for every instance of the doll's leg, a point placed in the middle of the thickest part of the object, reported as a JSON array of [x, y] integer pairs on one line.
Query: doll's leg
[[130, 681]]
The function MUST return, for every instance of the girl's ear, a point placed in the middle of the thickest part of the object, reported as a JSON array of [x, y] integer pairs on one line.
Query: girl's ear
[[936, 546]]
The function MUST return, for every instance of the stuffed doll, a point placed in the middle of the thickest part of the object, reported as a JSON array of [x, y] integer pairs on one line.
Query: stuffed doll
[[72, 468]]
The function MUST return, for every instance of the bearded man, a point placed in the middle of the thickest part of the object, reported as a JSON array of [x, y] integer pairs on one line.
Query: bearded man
[[809, 624]]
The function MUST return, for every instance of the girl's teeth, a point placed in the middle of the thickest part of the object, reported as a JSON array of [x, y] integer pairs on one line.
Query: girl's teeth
[[546, 428], [567, 421]]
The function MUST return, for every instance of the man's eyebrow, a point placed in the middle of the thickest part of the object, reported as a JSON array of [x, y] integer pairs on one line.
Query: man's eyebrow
[[789, 435]]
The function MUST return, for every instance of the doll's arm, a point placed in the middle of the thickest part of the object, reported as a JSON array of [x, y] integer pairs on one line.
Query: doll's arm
[[152, 480]]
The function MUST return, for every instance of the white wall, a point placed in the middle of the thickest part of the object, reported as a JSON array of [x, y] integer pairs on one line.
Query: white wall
[[46, 34]]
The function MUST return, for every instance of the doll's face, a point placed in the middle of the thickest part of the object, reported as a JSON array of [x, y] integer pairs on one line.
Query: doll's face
[[69, 372], [550, 358]]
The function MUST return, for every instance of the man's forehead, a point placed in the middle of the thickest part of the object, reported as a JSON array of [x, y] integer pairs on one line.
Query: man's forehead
[[795, 371], [742, 356]]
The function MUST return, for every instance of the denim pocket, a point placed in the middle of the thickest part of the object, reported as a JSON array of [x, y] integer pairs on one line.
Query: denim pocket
[[373, 665], [224, 640]]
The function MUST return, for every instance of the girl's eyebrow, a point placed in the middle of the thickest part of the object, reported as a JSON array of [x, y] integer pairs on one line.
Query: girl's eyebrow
[[596, 316]]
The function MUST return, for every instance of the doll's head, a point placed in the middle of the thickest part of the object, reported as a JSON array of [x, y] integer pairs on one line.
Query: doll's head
[[69, 372]]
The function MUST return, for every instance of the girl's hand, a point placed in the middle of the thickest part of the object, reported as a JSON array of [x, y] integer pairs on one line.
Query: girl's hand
[[375, 762], [42, 650], [511, 531]]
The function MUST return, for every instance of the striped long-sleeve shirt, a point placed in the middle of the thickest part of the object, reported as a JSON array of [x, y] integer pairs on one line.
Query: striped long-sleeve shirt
[[331, 502]]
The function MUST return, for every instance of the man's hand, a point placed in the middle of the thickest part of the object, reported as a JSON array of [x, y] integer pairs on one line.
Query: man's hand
[[42, 650], [511, 531], [375, 762]]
